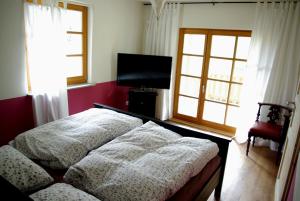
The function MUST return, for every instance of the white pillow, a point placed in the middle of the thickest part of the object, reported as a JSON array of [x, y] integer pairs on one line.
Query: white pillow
[[62, 192], [20, 171]]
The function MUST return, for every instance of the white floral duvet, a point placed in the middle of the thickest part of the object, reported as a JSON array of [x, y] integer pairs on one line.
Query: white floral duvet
[[62, 143], [148, 163]]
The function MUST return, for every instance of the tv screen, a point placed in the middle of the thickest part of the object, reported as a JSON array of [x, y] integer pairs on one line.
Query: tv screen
[[144, 71]]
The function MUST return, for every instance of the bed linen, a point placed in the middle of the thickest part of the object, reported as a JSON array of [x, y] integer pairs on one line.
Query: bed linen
[[62, 192], [20, 171], [147, 163], [61, 143]]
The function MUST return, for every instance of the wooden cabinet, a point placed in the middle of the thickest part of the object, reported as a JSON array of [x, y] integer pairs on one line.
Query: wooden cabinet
[[142, 102]]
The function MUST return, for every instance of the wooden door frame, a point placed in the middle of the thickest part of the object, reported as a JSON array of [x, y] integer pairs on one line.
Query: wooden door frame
[[204, 73], [292, 168]]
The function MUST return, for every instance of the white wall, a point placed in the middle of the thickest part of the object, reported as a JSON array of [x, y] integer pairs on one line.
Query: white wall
[[12, 60], [118, 27], [290, 142], [218, 16]]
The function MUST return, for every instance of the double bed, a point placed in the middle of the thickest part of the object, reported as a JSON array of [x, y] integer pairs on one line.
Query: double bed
[[153, 161]]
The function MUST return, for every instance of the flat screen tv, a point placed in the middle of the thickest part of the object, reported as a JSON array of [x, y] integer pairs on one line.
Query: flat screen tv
[[144, 71]]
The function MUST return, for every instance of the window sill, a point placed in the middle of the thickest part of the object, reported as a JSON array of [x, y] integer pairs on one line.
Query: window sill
[[77, 86], [202, 129], [70, 87]]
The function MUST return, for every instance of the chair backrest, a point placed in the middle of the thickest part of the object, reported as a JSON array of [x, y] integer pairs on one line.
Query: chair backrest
[[276, 114]]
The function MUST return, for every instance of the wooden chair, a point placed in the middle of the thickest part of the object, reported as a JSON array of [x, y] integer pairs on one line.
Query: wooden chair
[[275, 128]]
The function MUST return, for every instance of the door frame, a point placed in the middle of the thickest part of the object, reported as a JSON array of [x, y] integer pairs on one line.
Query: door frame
[[204, 75]]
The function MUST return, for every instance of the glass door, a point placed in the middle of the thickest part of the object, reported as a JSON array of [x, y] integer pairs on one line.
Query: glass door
[[210, 74], [190, 75]]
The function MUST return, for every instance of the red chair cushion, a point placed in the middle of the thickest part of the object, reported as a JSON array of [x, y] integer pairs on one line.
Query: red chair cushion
[[266, 130]]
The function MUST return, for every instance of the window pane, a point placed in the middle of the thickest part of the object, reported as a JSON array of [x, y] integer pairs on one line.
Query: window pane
[[192, 65], [194, 44], [232, 116], [189, 86], [214, 112], [235, 94], [74, 20], [217, 91], [243, 47], [223, 46], [188, 106], [220, 69], [239, 71], [74, 66], [74, 44]]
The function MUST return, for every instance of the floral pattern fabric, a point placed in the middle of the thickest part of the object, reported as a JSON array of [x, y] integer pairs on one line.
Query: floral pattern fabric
[[64, 142], [20, 171], [62, 192], [148, 163]]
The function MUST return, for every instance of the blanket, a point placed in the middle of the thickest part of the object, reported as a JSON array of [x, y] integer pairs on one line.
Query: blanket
[[64, 142], [149, 163]]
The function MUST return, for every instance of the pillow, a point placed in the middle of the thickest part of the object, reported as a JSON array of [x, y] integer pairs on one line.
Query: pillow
[[21, 171], [62, 192]]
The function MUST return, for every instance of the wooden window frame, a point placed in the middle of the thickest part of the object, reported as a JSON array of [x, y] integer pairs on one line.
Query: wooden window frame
[[204, 77], [84, 55]]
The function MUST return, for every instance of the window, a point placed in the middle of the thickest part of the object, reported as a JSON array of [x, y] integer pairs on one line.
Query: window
[[77, 40], [77, 43], [209, 77]]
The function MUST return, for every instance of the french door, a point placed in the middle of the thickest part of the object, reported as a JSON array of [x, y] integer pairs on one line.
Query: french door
[[209, 78]]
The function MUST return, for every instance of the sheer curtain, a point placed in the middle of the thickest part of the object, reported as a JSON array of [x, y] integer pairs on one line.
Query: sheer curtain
[[45, 43], [161, 39], [273, 62]]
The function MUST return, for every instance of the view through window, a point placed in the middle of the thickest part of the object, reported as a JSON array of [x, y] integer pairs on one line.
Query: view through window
[[210, 74]]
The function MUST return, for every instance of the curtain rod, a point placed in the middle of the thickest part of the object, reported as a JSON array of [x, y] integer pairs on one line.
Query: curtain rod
[[223, 2]]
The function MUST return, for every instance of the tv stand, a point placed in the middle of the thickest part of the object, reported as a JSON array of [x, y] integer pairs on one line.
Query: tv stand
[[142, 102]]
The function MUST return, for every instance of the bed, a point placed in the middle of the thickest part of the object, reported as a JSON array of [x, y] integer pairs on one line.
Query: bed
[[200, 186], [210, 179], [61, 143]]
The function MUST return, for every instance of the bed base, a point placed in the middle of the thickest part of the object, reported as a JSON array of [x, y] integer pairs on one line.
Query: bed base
[[209, 187], [216, 180]]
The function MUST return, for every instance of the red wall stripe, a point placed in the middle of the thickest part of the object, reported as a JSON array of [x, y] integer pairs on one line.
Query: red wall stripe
[[16, 115], [107, 93]]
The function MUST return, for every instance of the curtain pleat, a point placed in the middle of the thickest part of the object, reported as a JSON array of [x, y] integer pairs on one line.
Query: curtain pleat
[[273, 65], [46, 43], [161, 39]]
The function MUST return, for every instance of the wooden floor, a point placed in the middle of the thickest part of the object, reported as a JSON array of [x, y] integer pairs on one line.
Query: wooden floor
[[249, 178]]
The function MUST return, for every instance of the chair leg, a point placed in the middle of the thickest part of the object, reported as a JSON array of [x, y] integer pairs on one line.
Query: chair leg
[[248, 145], [253, 141]]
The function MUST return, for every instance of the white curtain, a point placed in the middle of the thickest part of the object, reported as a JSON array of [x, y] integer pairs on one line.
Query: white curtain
[[45, 43], [273, 62], [161, 39]]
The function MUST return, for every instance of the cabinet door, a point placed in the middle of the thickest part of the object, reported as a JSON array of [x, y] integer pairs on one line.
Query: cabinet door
[[142, 103]]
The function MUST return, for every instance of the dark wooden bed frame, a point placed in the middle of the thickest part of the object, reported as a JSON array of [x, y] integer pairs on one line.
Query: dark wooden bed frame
[[216, 180]]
